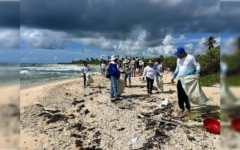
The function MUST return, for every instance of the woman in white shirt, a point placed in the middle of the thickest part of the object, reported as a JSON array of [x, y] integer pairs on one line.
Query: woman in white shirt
[[85, 69], [149, 71], [103, 67]]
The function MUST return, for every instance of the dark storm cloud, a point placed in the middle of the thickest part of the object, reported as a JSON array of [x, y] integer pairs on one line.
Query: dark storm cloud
[[9, 14], [116, 19], [230, 16]]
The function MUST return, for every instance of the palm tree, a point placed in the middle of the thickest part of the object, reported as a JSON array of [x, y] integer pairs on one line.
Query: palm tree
[[210, 41], [142, 58], [87, 59], [109, 58]]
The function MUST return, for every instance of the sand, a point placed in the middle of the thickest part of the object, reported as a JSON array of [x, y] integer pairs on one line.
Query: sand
[[116, 126]]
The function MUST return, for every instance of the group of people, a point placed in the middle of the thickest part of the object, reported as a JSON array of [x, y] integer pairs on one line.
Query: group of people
[[185, 66]]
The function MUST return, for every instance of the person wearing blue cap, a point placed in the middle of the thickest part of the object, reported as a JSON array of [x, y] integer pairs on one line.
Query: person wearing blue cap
[[185, 66]]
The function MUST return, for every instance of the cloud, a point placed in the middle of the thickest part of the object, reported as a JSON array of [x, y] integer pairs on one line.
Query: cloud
[[108, 19], [228, 47], [55, 58], [85, 50], [46, 39], [9, 38], [10, 17]]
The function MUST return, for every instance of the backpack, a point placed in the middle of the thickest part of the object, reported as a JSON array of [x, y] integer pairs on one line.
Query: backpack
[[108, 72]]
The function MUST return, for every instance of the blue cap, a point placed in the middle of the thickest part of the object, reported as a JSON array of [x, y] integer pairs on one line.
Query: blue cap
[[179, 50]]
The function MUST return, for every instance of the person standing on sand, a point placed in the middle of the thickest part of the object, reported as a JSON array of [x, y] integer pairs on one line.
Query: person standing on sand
[[114, 73], [140, 65], [137, 65], [127, 69], [149, 72], [159, 65], [85, 70], [133, 70], [103, 67], [185, 66]]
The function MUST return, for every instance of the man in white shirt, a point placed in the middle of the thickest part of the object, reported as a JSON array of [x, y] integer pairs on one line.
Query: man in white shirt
[[185, 66], [85, 69], [103, 67]]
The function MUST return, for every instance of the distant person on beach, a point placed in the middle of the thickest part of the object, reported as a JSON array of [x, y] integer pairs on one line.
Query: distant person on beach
[[127, 69], [85, 70], [103, 67], [140, 65], [133, 70], [149, 72], [185, 66], [114, 73], [159, 65], [137, 65]]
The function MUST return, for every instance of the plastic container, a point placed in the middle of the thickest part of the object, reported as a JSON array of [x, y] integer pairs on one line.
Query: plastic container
[[211, 125]]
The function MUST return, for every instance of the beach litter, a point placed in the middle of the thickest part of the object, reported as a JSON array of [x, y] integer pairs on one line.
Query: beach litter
[[161, 104]]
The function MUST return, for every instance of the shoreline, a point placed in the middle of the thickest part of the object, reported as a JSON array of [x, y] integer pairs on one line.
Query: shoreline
[[51, 82]]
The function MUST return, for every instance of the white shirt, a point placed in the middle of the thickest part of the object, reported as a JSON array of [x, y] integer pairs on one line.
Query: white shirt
[[118, 65], [128, 65], [103, 66], [150, 72], [140, 62], [186, 65], [85, 69]]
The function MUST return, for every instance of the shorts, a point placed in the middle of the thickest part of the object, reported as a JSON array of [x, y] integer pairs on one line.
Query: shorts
[[140, 66], [133, 69], [128, 75]]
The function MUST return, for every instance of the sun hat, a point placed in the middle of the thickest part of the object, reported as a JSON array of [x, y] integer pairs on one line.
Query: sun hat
[[179, 50], [114, 57], [150, 62], [126, 61]]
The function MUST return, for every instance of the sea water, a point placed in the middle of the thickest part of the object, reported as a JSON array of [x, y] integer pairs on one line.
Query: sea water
[[33, 74]]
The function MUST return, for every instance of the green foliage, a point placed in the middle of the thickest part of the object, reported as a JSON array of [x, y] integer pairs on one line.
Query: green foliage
[[209, 80], [170, 62]]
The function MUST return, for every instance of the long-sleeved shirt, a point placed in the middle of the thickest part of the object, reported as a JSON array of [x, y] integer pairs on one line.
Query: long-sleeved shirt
[[113, 69], [103, 66], [186, 65], [150, 72]]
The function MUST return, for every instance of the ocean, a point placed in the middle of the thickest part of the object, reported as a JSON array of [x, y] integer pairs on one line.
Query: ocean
[[33, 74]]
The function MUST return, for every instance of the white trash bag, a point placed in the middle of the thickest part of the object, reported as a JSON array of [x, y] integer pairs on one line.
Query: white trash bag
[[193, 90], [122, 76], [89, 78], [227, 98], [160, 83], [120, 86]]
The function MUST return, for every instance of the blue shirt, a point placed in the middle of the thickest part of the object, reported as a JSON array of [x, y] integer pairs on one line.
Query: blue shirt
[[113, 70]]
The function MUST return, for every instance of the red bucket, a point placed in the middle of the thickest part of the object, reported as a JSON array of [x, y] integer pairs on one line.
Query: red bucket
[[235, 122], [211, 125]]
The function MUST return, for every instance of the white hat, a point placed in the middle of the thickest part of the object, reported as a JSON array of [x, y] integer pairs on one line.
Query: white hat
[[126, 61], [114, 57]]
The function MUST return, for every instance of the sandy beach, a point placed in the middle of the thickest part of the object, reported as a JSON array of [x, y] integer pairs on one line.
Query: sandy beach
[[64, 115]]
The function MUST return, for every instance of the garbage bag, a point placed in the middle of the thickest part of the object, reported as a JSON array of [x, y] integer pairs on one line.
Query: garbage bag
[[160, 83], [122, 76], [227, 98], [193, 90], [120, 86], [89, 78]]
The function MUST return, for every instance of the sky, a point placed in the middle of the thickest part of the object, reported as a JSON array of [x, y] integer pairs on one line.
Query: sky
[[61, 30]]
